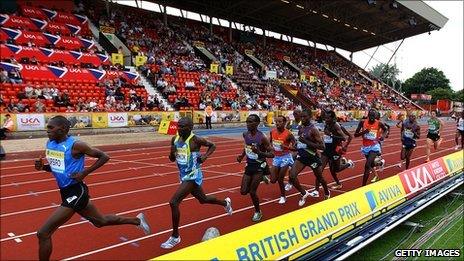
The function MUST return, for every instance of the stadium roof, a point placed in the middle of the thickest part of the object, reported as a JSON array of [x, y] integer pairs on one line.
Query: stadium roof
[[352, 25]]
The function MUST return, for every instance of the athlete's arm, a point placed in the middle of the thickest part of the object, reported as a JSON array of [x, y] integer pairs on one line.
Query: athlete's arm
[[318, 143], [401, 133], [172, 154], [399, 124], [339, 133], [268, 153], [39, 165], [292, 141], [384, 130], [242, 155], [206, 143], [349, 135], [441, 125], [417, 133], [358, 131], [81, 148]]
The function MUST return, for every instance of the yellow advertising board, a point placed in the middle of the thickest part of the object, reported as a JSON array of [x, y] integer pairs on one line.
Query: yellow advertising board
[[229, 69], [296, 233], [99, 120], [140, 60], [214, 68], [117, 58]]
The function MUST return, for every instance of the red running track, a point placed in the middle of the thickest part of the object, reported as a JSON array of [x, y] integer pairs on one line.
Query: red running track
[[141, 178]]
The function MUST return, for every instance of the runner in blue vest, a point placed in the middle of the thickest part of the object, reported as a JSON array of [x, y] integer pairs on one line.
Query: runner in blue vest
[[185, 150], [65, 156]]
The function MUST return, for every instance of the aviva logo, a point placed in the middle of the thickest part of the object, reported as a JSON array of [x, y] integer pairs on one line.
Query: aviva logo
[[379, 198]]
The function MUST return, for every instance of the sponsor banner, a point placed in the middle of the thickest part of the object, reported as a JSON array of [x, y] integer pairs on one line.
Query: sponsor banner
[[27, 122], [302, 77], [78, 120], [454, 162], [117, 119], [296, 233], [23, 37], [13, 118], [57, 28], [42, 39], [99, 120], [140, 60], [14, 21], [312, 79], [29, 72], [144, 118], [214, 68], [418, 178], [117, 58], [44, 55], [164, 127], [229, 69], [29, 11]]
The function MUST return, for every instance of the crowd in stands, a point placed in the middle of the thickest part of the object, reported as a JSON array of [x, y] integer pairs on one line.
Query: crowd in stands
[[183, 78]]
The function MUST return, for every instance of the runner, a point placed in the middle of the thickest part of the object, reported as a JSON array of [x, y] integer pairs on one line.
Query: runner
[[433, 134], [410, 132], [373, 131], [66, 155], [185, 150], [309, 141], [257, 149], [282, 141], [460, 132], [334, 135], [293, 126]]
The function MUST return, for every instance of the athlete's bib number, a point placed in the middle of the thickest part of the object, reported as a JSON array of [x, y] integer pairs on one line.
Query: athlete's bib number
[[56, 160], [408, 134], [432, 128], [182, 156], [250, 154], [371, 135], [328, 139], [277, 145]]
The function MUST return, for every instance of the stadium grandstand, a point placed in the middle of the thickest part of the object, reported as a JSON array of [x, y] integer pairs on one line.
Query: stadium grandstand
[[112, 65]]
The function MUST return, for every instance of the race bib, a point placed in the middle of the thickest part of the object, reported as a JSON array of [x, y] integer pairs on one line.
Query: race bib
[[328, 139], [432, 128], [56, 160], [461, 125], [371, 135], [249, 152], [182, 156], [277, 145], [408, 134]]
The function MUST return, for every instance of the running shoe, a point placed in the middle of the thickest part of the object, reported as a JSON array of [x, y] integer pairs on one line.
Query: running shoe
[[228, 207], [314, 194], [257, 216], [350, 163], [327, 196], [302, 200], [282, 200], [171, 242], [144, 224], [339, 186], [375, 179]]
